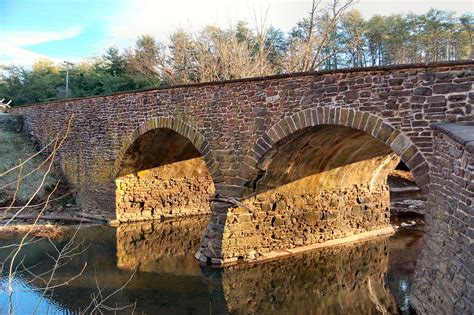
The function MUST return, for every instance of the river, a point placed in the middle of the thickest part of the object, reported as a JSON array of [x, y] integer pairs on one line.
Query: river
[[155, 262]]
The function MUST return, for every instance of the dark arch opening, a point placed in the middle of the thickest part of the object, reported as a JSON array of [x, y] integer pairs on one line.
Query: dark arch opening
[[332, 157], [162, 175], [319, 183], [325, 157]]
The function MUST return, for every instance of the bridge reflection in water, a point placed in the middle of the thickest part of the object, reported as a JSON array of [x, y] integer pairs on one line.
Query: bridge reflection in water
[[347, 279], [344, 279]]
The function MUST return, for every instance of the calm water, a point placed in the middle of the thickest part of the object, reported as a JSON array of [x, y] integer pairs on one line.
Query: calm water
[[366, 278]]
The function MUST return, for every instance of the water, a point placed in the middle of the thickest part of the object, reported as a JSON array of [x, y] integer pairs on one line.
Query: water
[[365, 278]]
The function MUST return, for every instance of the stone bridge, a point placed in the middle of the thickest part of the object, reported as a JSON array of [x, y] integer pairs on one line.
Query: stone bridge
[[282, 162]]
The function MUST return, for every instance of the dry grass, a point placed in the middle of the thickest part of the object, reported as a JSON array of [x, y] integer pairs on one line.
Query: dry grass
[[13, 148]]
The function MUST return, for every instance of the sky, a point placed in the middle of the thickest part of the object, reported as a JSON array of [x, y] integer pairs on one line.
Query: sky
[[76, 29]]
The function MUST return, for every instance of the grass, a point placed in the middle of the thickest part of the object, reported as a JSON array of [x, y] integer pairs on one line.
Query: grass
[[13, 148]]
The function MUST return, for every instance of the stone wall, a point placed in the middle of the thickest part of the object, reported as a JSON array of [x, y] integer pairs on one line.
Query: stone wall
[[319, 184], [161, 176], [232, 123], [10, 122], [161, 192], [279, 221], [444, 274]]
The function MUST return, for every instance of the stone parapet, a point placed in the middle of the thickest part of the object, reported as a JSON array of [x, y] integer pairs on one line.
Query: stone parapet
[[444, 282]]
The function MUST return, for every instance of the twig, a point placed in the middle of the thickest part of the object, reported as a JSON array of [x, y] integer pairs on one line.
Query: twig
[[16, 191], [28, 159], [45, 174], [17, 251], [52, 218], [39, 204]]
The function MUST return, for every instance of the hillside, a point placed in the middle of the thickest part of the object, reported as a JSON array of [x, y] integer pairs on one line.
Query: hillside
[[15, 147]]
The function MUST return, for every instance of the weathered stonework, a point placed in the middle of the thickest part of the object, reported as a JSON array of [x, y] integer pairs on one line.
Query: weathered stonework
[[288, 221], [149, 195], [232, 124], [321, 183], [162, 175], [10, 122], [242, 129], [444, 282]]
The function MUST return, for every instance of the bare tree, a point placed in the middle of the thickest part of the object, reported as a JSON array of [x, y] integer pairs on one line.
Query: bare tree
[[45, 282], [313, 36]]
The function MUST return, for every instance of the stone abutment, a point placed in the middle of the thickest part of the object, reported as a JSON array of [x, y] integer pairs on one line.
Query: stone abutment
[[444, 277], [281, 162]]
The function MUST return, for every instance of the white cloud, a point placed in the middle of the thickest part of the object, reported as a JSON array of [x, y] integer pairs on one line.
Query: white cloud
[[385, 7], [12, 45], [160, 18]]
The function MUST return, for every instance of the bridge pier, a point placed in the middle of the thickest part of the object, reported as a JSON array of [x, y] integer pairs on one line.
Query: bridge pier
[[273, 224], [318, 185]]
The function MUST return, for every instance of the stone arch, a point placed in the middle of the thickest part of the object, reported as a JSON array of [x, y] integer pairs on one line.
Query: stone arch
[[313, 177], [165, 169], [182, 128], [366, 122]]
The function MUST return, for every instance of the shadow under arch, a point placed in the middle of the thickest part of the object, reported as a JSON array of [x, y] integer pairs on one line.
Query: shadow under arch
[[318, 176], [164, 169], [367, 123]]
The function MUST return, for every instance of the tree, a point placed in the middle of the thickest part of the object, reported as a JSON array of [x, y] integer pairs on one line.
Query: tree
[[467, 22], [312, 37], [276, 46], [330, 37], [376, 34], [353, 29], [143, 62]]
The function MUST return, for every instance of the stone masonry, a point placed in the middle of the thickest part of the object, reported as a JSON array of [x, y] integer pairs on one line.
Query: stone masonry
[[161, 176], [233, 123], [444, 278], [293, 159], [319, 184]]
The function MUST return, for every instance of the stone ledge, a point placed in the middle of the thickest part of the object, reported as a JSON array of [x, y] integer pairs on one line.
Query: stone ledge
[[355, 238], [461, 132], [412, 66], [159, 218]]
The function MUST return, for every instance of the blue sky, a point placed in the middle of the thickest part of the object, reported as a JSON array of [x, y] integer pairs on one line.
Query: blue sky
[[76, 29], [56, 29]]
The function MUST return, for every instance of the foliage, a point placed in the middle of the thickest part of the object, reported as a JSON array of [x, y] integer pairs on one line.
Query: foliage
[[330, 37]]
